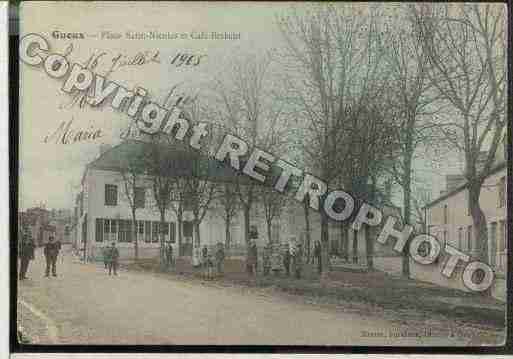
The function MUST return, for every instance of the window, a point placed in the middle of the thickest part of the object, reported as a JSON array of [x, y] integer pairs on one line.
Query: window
[[165, 229], [187, 229], [502, 192], [99, 230], [125, 231], [469, 239], [188, 201], [147, 236], [468, 203], [113, 227], [111, 195], [106, 226], [444, 238], [121, 234], [155, 231], [139, 197], [172, 232], [129, 229], [460, 238], [446, 214], [140, 226]]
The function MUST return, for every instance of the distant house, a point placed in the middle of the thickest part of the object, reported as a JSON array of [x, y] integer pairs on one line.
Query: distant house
[[36, 219], [448, 218], [43, 223]]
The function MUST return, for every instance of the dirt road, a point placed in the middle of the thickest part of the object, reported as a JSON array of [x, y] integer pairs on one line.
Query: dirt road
[[83, 305]]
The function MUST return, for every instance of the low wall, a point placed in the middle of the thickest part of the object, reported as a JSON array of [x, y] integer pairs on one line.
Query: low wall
[[433, 274]]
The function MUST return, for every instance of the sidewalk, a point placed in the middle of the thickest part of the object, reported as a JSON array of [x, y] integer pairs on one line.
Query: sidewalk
[[372, 288]]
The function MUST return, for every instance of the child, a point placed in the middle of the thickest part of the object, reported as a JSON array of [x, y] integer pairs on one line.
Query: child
[[210, 267]]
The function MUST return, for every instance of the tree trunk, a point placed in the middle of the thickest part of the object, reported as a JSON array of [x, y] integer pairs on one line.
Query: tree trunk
[[269, 228], [161, 234], [355, 246], [246, 224], [406, 182], [479, 222], [325, 242], [227, 235], [407, 212], [344, 244], [134, 235], [197, 236], [307, 230], [246, 210], [369, 247], [179, 220], [480, 229]]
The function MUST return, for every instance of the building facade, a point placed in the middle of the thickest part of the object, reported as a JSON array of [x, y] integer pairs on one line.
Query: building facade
[[43, 223], [448, 218], [103, 215]]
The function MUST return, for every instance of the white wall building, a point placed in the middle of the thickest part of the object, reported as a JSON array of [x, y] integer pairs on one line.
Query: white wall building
[[104, 213]]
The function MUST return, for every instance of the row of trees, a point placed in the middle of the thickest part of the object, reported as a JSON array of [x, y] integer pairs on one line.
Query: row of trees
[[373, 85], [355, 94], [181, 179]]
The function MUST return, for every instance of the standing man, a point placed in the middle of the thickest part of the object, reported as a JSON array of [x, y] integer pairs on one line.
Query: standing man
[[113, 259], [25, 252], [51, 252], [254, 255], [318, 256], [204, 256], [220, 259], [106, 253], [169, 255], [286, 259], [298, 260], [266, 259]]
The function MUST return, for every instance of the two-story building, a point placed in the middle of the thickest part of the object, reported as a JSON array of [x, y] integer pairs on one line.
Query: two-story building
[[448, 218], [103, 213], [103, 210]]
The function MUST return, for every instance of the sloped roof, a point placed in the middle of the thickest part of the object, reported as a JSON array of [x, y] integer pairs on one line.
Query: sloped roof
[[176, 159], [497, 168]]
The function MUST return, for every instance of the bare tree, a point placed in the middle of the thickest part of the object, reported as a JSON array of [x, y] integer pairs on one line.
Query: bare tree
[[336, 79], [420, 200], [273, 204], [177, 205], [200, 185], [229, 204], [414, 100], [164, 166], [245, 106], [466, 45], [133, 177]]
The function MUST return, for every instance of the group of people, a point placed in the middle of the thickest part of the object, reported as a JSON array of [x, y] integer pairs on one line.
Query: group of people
[[111, 258], [209, 260], [26, 253], [292, 259]]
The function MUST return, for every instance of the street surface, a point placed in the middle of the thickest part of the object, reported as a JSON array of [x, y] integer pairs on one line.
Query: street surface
[[84, 305]]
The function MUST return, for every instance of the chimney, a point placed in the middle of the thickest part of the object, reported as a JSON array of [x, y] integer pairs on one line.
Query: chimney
[[104, 147]]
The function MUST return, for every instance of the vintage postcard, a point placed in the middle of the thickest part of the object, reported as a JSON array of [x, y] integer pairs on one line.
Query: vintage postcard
[[262, 173]]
